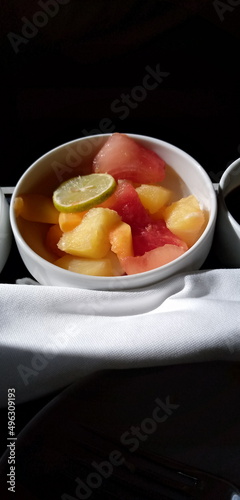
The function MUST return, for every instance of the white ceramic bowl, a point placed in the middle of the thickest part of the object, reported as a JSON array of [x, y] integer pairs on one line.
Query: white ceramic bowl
[[5, 231], [74, 158], [227, 239]]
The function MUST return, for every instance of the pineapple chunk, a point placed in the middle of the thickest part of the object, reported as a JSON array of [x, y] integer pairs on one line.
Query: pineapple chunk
[[185, 219], [90, 238], [120, 238], [36, 208], [108, 266], [153, 197], [91, 267]]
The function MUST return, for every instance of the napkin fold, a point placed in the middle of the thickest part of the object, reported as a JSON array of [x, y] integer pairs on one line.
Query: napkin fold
[[50, 336]]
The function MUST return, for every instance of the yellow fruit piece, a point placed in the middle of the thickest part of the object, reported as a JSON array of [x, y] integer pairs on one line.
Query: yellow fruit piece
[[68, 221], [153, 197], [108, 266], [117, 269], [91, 267], [185, 219], [90, 239], [120, 238], [36, 208]]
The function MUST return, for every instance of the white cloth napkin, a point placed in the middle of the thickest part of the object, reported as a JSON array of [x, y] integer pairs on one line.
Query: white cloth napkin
[[51, 335]]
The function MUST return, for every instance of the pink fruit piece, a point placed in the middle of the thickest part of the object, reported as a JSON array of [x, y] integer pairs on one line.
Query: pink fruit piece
[[152, 259], [129, 207], [124, 158], [153, 235]]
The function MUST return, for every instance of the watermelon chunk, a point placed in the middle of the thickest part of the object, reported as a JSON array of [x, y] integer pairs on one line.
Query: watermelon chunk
[[124, 158], [152, 259], [129, 207], [156, 234]]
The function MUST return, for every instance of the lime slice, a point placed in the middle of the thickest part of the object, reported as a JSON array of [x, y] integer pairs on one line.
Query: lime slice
[[83, 192]]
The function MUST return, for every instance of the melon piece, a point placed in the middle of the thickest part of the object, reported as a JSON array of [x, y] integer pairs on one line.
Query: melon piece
[[36, 208], [90, 239], [52, 238], [153, 197], [117, 269], [68, 221], [185, 219], [121, 240], [152, 259], [155, 234], [107, 266], [124, 158], [34, 234], [129, 206]]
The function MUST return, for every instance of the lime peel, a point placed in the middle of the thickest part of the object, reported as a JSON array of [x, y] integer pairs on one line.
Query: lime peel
[[83, 192]]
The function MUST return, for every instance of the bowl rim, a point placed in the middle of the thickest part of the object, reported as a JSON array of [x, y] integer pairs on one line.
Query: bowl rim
[[4, 208], [101, 279], [1, 200], [227, 173], [5, 231], [230, 170]]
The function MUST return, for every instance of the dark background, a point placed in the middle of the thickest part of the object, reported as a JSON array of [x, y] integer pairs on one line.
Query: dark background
[[59, 84]]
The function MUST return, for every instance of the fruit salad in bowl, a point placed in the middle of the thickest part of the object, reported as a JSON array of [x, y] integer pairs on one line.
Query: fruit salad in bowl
[[114, 211]]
